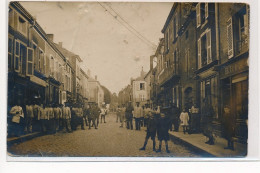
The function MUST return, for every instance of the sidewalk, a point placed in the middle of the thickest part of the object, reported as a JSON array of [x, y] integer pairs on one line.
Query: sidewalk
[[13, 140], [197, 142]]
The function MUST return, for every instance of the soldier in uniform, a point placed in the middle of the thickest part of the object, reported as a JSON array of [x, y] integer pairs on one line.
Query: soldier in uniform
[[29, 118], [66, 115], [80, 116], [129, 116]]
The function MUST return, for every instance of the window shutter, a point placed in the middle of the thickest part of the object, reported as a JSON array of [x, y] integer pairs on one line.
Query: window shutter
[[206, 10], [29, 68], [168, 39], [230, 38], [198, 14], [199, 53], [209, 55], [17, 56], [246, 23]]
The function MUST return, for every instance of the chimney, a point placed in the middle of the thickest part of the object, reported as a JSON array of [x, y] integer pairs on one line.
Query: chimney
[[60, 44], [95, 77], [50, 37]]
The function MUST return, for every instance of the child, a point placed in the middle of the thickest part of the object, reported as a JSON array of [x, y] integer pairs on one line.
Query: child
[[184, 117], [163, 134]]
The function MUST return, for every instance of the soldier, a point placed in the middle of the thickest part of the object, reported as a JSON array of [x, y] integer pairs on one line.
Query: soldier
[[103, 114], [138, 113], [122, 115], [151, 130], [74, 112], [57, 115], [43, 114], [146, 114], [129, 116], [163, 132], [36, 114], [66, 115], [86, 113], [92, 117], [80, 116], [29, 118]]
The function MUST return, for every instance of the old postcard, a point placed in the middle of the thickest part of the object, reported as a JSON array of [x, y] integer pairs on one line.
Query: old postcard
[[128, 79]]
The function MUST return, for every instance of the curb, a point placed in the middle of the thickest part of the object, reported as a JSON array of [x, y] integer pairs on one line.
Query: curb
[[196, 149], [23, 138]]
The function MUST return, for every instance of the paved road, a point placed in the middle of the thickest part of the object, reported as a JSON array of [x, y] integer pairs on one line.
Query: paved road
[[107, 140]]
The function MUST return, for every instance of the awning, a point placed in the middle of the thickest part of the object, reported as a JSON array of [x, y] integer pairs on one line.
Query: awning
[[38, 81]]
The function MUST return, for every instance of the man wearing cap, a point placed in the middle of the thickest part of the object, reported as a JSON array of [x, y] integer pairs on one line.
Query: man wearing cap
[[151, 130]]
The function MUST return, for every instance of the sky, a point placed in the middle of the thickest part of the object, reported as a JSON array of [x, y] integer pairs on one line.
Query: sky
[[106, 46]]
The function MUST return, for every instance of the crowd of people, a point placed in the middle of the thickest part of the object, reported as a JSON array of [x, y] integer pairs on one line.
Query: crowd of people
[[159, 121], [49, 119]]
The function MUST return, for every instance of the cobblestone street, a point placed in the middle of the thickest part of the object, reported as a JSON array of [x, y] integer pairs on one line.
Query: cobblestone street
[[107, 140]]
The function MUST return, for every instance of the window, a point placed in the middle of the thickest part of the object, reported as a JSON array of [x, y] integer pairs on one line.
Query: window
[[41, 61], [201, 13], [52, 65], [167, 40], [17, 56], [36, 56], [22, 25], [204, 49], [29, 70], [242, 24], [10, 52], [230, 38], [142, 86]]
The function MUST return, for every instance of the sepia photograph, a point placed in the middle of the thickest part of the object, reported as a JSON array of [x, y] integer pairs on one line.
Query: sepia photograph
[[128, 79]]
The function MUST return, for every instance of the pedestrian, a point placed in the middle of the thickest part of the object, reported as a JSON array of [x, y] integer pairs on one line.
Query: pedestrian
[[118, 114], [57, 115], [66, 115], [36, 121], [122, 115], [194, 119], [43, 113], [29, 118], [73, 122], [86, 113], [175, 111], [207, 118], [103, 114], [138, 113], [129, 116], [228, 127], [51, 128], [184, 117], [80, 116], [151, 130], [92, 116], [147, 111], [16, 120], [163, 132]]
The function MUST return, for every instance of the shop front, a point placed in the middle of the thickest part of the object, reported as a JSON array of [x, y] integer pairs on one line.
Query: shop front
[[234, 81]]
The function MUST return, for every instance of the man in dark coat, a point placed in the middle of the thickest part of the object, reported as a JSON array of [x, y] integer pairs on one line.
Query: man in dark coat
[[163, 132], [151, 130], [129, 116], [91, 116], [228, 125], [175, 111]]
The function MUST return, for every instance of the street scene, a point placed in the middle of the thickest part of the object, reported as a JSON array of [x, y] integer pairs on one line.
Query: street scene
[[123, 79]]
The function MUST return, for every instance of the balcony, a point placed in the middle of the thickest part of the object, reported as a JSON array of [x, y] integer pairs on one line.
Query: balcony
[[170, 74], [242, 45]]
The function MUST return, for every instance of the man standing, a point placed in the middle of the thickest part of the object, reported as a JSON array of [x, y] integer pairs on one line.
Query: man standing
[[80, 116], [151, 130], [129, 116], [103, 114], [29, 118], [66, 115], [122, 115], [92, 116], [175, 115], [138, 113]]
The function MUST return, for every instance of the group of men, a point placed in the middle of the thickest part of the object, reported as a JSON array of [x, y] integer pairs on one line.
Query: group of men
[[51, 118]]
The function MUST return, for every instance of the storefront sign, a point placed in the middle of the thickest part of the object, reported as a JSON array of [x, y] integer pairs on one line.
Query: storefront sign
[[234, 68]]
